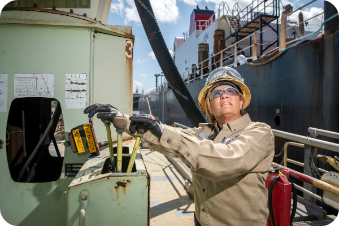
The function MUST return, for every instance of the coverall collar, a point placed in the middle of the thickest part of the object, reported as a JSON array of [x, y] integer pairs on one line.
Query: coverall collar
[[235, 125]]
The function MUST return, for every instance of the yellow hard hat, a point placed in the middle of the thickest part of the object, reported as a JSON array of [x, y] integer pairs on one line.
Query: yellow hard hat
[[224, 74]]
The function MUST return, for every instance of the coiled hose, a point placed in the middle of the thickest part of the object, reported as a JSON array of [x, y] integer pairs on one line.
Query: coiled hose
[[270, 190], [186, 101]]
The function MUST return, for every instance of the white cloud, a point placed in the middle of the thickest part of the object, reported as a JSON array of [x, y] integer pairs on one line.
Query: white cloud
[[143, 75], [118, 7], [151, 55], [172, 53], [141, 60], [136, 83], [313, 24], [164, 10]]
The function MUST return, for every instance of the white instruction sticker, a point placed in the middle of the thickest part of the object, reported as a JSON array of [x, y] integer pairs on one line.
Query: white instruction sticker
[[3, 92], [34, 85], [75, 86]]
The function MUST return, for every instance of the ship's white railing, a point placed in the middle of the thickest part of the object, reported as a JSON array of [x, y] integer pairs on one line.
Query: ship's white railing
[[205, 66]]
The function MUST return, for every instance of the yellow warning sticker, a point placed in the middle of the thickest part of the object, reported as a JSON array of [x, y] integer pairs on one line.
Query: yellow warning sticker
[[78, 141], [89, 137]]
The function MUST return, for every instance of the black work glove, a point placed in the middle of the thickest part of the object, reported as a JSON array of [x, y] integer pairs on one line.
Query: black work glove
[[148, 121], [106, 112]]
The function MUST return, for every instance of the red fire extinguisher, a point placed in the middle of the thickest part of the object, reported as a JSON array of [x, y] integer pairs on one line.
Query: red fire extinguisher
[[280, 187]]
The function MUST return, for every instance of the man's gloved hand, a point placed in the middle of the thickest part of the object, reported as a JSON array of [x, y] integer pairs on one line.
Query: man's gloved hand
[[148, 121], [106, 112]]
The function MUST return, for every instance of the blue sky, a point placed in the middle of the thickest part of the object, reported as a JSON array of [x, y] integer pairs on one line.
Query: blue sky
[[173, 17]]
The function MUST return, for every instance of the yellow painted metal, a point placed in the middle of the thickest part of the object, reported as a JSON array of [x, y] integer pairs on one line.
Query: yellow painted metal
[[295, 162], [78, 141], [89, 138], [326, 186], [110, 146], [285, 152], [332, 162], [119, 152], [134, 153]]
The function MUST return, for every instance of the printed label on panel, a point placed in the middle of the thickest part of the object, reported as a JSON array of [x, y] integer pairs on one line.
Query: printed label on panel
[[3, 92], [89, 137], [78, 141], [75, 85], [34, 85]]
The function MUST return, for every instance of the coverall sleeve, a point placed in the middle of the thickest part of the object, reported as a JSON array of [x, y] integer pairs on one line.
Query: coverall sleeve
[[217, 161]]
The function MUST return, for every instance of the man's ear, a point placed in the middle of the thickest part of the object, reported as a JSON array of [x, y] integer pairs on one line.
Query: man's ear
[[241, 103]]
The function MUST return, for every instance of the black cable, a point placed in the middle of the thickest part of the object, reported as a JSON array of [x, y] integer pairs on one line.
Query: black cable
[[295, 200], [270, 189]]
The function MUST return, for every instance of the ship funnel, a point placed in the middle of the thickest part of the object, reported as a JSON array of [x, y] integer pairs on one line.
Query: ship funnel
[[333, 25]]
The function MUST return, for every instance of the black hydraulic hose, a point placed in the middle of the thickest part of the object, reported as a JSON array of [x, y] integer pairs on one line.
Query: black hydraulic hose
[[51, 125], [270, 208], [186, 101], [295, 200]]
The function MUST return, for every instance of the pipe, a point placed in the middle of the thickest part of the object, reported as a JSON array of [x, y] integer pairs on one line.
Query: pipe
[[134, 153], [310, 180], [307, 140], [185, 99], [180, 125], [111, 152], [326, 133], [285, 151], [308, 192]]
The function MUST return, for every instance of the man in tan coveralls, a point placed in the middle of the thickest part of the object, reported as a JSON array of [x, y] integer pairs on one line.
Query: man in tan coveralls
[[229, 158]]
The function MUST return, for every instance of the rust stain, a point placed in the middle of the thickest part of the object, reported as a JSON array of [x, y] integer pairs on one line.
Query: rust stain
[[128, 181], [122, 185]]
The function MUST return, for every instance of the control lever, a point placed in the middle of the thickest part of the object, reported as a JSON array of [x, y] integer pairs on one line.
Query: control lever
[[120, 123], [140, 132], [110, 145]]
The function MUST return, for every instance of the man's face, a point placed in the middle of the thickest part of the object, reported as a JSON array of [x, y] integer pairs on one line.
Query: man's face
[[227, 105]]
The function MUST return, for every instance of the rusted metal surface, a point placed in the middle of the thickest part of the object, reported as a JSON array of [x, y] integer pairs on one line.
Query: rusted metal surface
[[129, 47], [83, 21], [50, 4]]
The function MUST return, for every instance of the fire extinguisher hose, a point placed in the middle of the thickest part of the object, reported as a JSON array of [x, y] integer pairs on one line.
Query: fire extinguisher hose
[[270, 190]]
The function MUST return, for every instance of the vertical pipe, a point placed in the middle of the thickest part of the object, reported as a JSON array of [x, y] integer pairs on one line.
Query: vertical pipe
[[282, 39], [250, 45], [201, 70], [222, 59], [261, 35], [255, 46], [236, 54], [119, 152], [134, 153], [307, 171], [111, 152], [285, 154]]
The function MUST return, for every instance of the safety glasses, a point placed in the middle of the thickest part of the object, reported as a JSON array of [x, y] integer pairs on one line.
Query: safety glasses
[[229, 91]]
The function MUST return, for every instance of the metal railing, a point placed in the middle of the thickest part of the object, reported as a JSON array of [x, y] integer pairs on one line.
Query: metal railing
[[319, 132]]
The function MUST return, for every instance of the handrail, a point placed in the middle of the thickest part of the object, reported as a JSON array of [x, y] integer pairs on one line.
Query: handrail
[[286, 160], [307, 140], [175, 124], [326, 133]]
